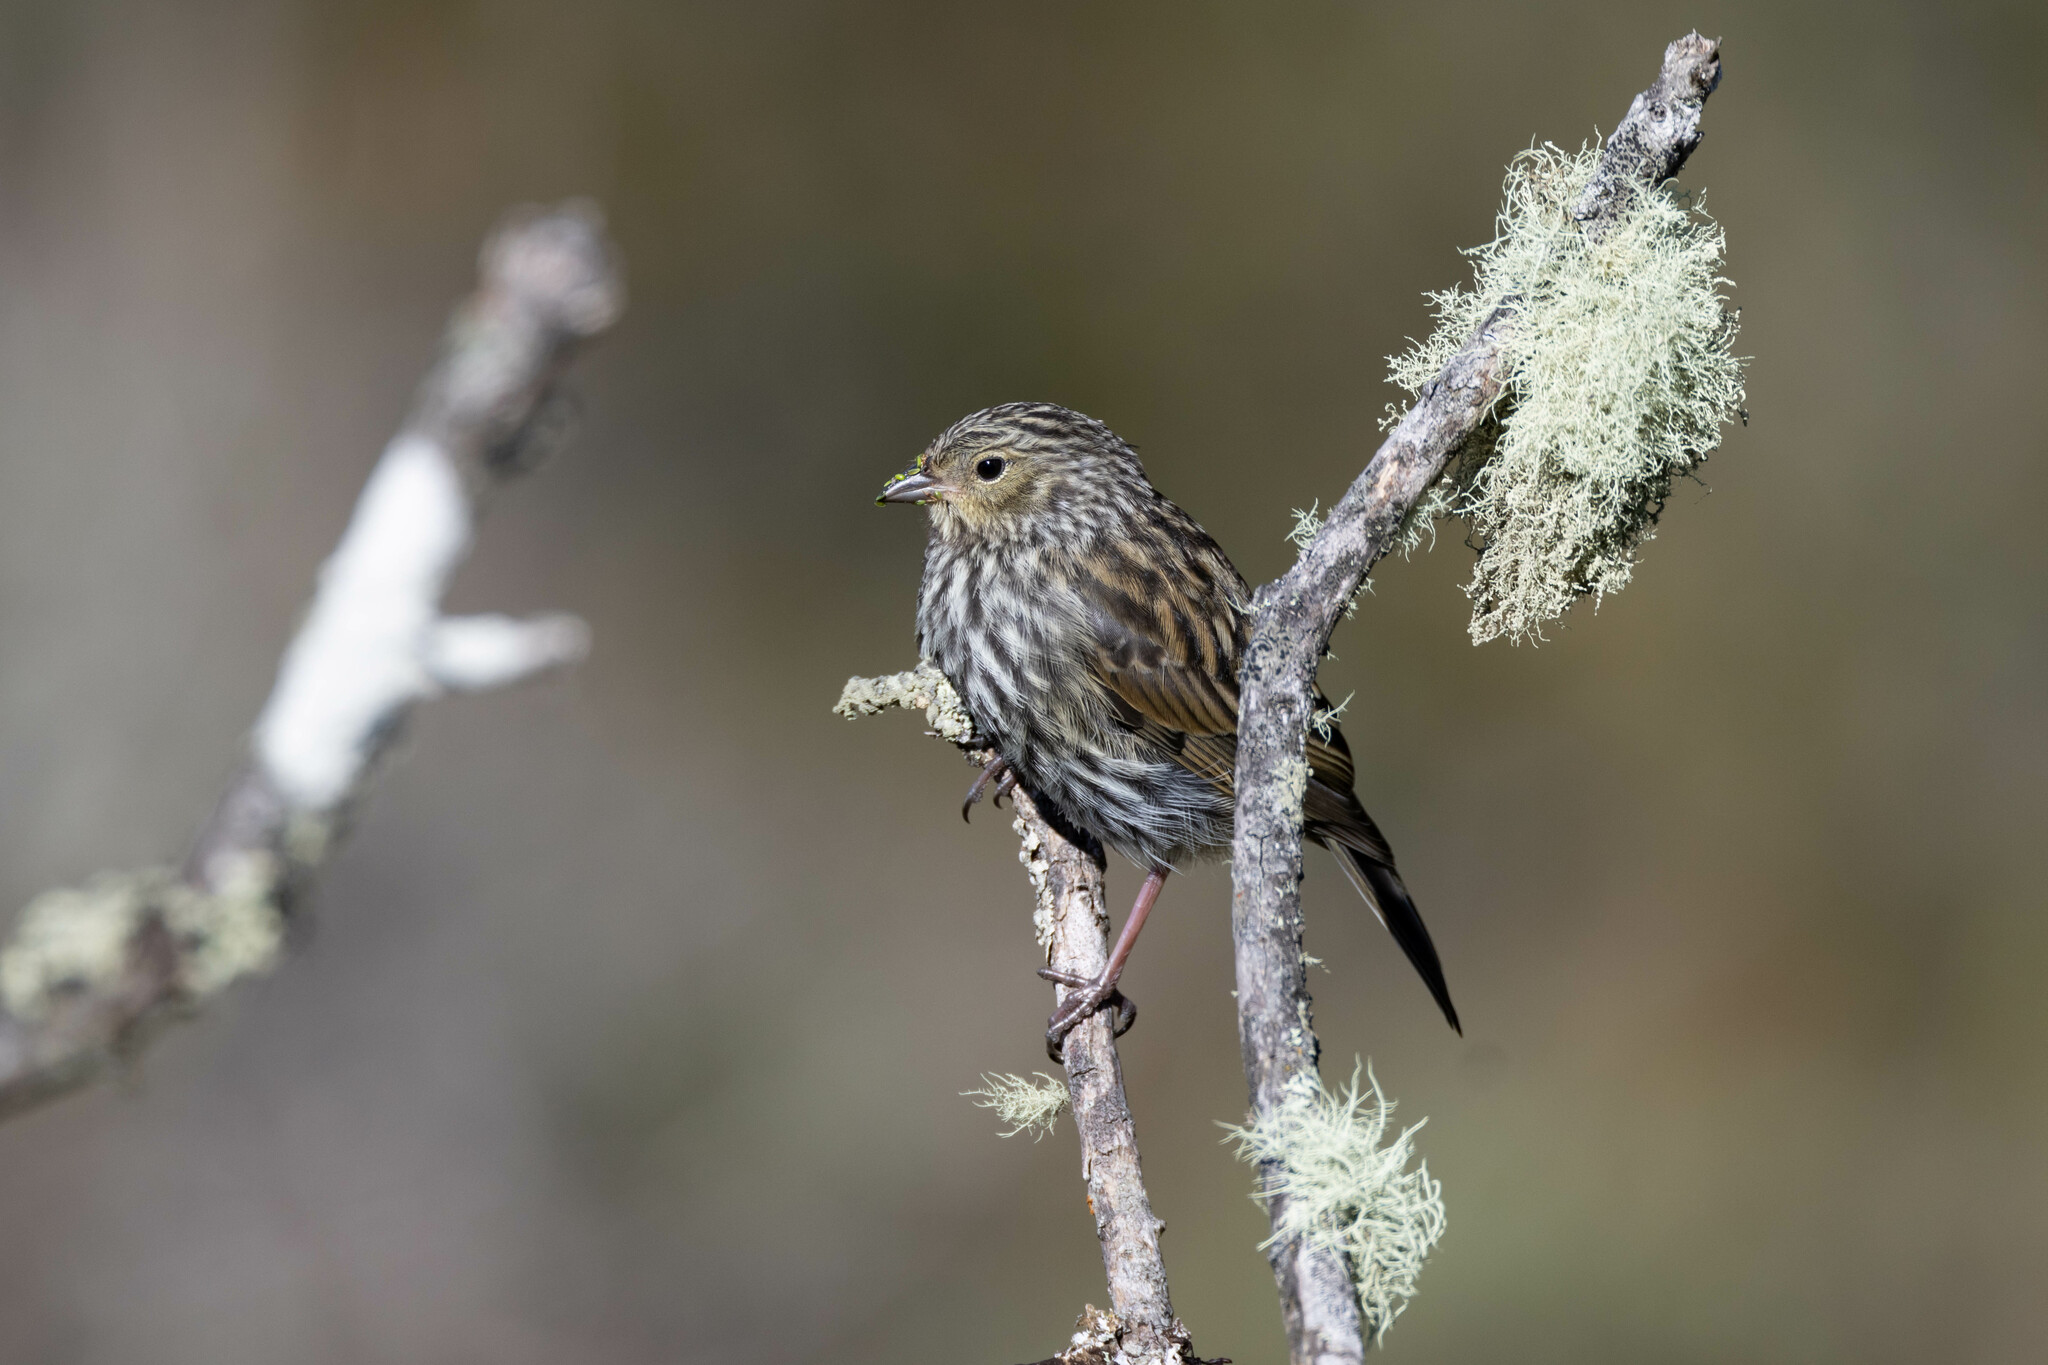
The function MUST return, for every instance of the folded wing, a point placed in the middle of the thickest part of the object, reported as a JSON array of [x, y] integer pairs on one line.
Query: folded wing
[[1168, 663]]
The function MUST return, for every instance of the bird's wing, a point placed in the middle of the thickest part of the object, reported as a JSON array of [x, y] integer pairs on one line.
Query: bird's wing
[[1169, 661], [1167, 654]]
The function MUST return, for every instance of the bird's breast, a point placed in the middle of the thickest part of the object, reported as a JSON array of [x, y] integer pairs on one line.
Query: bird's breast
[[1007, 630], [1016, 639]]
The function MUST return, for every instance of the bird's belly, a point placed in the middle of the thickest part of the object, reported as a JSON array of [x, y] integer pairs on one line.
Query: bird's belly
[[1155, 814], [1147, 808]]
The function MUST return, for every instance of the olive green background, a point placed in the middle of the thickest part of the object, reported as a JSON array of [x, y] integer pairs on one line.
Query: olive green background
[[634, 1022]]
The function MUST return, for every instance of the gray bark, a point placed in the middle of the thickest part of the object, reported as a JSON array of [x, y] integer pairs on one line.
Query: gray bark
[[1292, 619], [1067, 879], [372, 646], [1073, 928]]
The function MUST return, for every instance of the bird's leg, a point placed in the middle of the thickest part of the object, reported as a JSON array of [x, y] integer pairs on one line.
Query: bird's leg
[[1089, 996], [997, 766]]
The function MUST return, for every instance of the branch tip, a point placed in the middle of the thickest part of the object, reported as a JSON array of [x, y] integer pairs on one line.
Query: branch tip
[[479, 653], [560, 263]]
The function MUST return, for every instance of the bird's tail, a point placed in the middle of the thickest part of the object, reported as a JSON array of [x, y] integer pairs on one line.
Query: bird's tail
[[1388, 896]]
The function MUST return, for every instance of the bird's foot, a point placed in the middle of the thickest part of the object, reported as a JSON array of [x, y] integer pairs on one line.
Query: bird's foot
[[997, 771], [1090, 993]]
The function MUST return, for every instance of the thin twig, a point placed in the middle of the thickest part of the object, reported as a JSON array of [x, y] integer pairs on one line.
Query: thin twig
[[1073, 928], [91, 975], [1291, 625]]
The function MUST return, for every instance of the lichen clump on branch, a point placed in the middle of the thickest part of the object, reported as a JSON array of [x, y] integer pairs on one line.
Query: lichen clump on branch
[[923, 688], [75, 941], [1346, 1189], [1618, 376], [1029, 1104]]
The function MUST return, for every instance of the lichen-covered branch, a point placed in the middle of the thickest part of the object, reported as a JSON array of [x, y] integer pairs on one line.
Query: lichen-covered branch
[[1073, 930], [1346, 1188], [1620, 373], [1292, 621], [91, 974]]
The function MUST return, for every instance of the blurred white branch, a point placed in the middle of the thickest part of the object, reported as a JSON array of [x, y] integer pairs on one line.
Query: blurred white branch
[[90, 973]]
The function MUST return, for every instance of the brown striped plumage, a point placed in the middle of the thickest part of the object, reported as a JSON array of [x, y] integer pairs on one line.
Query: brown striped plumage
[[1094, 631]]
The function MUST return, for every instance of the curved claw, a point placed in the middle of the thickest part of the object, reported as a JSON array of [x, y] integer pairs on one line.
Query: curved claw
[[996, 765], [1090, 994]]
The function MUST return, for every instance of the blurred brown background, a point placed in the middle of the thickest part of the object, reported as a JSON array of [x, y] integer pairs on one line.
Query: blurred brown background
[[635, 1020]]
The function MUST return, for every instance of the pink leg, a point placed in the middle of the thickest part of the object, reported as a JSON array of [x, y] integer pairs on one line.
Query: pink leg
[[1089, 996]]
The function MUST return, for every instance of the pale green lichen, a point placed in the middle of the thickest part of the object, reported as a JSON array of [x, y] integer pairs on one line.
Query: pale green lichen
[[77, 940], [1307, 525], [1345, 1192], [1290, 777], [922, 688], [71, 940], [232, 933], [1029, 1104], [1097, 1334], [1618, 376], [1031, 853], [1326, 717]]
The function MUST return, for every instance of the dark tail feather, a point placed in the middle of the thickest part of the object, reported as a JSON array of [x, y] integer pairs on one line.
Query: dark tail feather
[[1384, 890]]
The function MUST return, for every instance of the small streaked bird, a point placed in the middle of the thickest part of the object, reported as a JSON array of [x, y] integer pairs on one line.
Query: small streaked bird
[[1094, 632]]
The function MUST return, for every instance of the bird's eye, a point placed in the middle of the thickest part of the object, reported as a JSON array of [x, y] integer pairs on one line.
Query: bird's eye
[[990, 469]]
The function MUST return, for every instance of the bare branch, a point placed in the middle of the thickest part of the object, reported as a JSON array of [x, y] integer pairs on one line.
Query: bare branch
[[1073, 929], [91, 974], [1292, 621]]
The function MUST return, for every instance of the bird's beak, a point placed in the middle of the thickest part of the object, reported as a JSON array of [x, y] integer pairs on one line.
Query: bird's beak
[[912, 485]]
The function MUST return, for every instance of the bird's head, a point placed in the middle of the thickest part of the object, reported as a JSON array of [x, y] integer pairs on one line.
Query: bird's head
[[1021, 470]]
